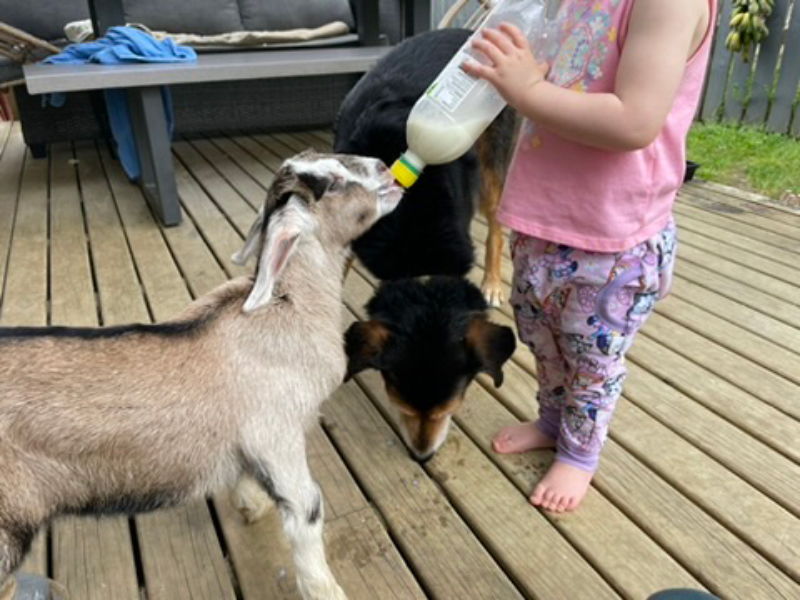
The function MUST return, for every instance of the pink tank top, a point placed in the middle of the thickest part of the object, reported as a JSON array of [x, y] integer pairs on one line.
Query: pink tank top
[[594, 199]]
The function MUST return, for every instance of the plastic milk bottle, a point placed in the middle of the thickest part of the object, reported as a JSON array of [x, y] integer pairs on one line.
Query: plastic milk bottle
[[457, 108]]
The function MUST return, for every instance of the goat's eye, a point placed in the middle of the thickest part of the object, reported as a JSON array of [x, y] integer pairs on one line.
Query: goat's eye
[[337, 183]]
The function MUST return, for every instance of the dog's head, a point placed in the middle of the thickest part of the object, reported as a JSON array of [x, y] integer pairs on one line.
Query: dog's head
[[332, 197], [429, 340]]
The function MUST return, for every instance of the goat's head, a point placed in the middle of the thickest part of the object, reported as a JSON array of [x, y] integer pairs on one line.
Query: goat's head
[[333, 197]]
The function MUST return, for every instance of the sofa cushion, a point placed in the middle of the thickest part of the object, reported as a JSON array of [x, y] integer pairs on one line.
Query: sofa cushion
[[43, 18], [276, 15], [9, 70], [194, 16]]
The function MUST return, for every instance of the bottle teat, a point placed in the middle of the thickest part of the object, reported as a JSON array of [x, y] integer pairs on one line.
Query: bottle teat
[[407, 168]]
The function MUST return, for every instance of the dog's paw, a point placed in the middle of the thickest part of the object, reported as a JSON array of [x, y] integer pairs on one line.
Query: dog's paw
[[250, 500], [493, 292]]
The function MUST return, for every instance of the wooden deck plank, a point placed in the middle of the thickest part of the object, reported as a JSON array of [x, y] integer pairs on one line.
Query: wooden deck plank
[[92, 558], [753, 516], [220, 236], [256, 149], [740, 273], [760, 203], [721, 560], [740, 407], [633, 563], [251, 165], [233, 206], [758, 215], [742, 293], [762, 368], [237, 178], [72, 291], [161, 280], [11, 166], [5, 132], [120, 295], [778, 241], [734, 239], [24, 184], [770, 472], [25, 295], [441, 548], [240, 180], [181, 557], [754, 321], [760, 263]]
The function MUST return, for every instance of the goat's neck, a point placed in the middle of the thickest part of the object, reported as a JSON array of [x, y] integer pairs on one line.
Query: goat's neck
[[313, 277]]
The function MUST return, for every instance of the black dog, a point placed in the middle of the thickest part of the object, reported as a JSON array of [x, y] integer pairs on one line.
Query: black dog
[[429, 340], [428, 234]]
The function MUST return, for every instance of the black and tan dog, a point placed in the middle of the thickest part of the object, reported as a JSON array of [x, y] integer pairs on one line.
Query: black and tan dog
[[428, 234], [428, 338]]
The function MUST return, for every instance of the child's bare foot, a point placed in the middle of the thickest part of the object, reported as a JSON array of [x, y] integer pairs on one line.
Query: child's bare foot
[[562, 489], [516, 439]]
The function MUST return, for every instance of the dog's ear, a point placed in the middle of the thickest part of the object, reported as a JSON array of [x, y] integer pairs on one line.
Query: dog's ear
[[284, 230], [364, 342], [492, 344]]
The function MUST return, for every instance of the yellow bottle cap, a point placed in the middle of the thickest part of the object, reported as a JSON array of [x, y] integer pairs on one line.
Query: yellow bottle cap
[[404, 172]]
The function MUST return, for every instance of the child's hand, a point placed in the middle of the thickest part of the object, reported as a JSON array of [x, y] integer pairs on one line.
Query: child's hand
[[514, 70]]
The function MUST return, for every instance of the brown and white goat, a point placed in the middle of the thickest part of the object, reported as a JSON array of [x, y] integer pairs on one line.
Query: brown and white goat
[[134, 418]]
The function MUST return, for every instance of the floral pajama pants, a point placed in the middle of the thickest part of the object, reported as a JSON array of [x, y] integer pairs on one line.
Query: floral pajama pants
[[578, 312]]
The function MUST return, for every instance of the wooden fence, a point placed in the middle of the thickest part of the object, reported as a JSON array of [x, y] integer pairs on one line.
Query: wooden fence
[[764, 92]]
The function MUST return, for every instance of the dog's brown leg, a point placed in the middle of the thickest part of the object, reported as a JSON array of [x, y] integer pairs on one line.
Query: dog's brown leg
[[491, 188]]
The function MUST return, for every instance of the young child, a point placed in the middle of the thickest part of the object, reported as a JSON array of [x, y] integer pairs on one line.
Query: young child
[[589, 195]]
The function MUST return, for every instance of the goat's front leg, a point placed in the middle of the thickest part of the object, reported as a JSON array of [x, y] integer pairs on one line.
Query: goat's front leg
[[288, 481]]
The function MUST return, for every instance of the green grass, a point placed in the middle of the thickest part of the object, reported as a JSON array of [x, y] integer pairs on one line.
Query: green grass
[[747, 158]]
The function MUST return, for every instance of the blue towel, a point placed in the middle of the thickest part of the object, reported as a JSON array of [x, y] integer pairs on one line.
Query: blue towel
[[123, 45]]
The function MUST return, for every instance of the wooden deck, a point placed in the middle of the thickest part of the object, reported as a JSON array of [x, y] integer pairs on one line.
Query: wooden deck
[[699, 485]]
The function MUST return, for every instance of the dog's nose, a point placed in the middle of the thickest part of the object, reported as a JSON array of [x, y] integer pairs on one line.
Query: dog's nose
[[422, 458], [381, 168]]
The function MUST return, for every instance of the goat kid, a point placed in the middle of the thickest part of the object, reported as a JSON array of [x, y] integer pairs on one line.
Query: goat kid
[[135, 418]]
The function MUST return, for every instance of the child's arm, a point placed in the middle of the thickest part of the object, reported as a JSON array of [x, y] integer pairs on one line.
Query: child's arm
[[662, 36]]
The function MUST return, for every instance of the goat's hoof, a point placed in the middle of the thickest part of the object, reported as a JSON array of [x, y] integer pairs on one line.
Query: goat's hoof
[[493, 292], [250, 500], [321, 591], [24, 586]]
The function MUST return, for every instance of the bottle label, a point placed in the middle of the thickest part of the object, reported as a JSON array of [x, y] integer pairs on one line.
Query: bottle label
[[450, 91]]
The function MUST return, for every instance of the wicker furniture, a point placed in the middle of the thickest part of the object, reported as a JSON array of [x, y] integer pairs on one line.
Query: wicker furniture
[[204, 108]]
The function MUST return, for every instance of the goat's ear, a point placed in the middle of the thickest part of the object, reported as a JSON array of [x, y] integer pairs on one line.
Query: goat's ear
[[284, 230], [253, 240], [492, 344], [364, 342]]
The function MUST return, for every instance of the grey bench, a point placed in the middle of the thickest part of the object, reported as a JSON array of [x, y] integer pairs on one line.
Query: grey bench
[[143, 83]]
